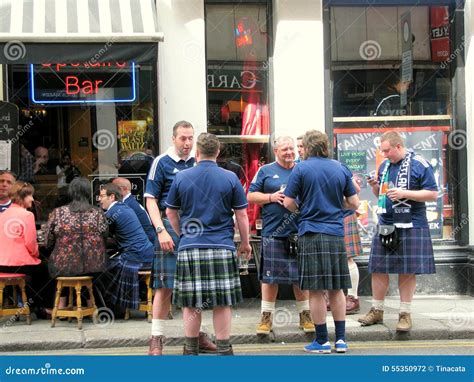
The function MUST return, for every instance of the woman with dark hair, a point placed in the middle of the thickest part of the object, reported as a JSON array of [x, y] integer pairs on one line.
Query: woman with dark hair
[[323, 188], [76, 233]]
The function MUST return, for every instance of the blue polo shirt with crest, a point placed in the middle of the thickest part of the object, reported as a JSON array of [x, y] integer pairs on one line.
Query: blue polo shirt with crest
[[162, 173], [277, 220], [206, 196]]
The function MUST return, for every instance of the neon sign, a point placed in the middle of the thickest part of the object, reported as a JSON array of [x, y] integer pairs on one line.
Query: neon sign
[[243, 35], [78, 83]]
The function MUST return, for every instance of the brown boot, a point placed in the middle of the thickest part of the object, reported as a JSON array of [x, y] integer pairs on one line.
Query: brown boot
[[352, 305], [306, 323], [375, 316], [265, 324], [156, 345], [404, 322], [205, 344], [230, 351]]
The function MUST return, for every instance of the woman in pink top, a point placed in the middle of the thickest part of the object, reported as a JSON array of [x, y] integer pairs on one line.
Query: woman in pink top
[[19, 249]]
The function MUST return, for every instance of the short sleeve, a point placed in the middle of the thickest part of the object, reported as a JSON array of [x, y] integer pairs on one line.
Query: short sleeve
[[239, 200], [258, 181], [349, 189], [173, 199], [424, 176], [155, 181], [293, 188]]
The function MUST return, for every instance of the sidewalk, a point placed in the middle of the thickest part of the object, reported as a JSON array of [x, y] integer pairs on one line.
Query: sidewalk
[[441, 317]]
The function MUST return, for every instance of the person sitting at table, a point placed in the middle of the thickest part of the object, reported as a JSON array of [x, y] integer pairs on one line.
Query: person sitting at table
[[20, 252], [135, 251], [76, 233]]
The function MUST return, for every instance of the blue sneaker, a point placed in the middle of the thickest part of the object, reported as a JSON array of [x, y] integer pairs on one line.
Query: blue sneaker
[[341, 346], [315, 347]]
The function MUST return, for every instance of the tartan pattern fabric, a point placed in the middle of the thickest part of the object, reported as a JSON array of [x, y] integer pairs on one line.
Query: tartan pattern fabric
[[164, 263], [351, 236], [322, 262], [206, 278], [413, 256], [277, 266], [123, 285]]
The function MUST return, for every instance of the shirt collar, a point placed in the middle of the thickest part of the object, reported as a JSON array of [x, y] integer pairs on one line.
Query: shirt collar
[[6, 204], [171, 152], [111, 206], [207, 162], [126, 196]]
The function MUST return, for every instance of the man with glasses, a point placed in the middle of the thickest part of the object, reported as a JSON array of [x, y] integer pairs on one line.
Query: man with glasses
[[7, 179]]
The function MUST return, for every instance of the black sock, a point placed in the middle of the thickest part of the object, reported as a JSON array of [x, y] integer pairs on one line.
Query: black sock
[[340, 330], [322, 334], [192, 344], [223, 345]]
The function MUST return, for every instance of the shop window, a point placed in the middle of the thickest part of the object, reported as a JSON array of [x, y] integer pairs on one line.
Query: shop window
[[389, 71], [96, 122], [237, 87]]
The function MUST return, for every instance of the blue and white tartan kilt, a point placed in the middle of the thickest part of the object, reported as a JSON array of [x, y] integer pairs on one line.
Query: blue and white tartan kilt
[[164, 263], [322, 262], [277, 265], [206, 278], [413, 256]]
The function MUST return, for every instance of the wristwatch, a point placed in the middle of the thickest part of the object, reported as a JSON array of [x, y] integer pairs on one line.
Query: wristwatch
[[159, 229]]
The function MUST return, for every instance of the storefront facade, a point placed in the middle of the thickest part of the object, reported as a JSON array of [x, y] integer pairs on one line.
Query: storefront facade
[[251, 70]]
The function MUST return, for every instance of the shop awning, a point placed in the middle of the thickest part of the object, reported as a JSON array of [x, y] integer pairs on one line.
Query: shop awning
[[77, 30]]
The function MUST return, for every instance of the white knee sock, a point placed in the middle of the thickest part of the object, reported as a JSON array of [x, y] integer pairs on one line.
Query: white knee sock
[[157, 327], [302, 305], [377, 304], [268, 306], [405, 307], [354, 273]]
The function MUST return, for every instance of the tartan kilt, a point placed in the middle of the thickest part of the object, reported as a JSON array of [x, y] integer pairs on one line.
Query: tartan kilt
[[322, 262], [277, 266], [206, 278], [123, 282], [164, 263], [352, 237], [413, 256]]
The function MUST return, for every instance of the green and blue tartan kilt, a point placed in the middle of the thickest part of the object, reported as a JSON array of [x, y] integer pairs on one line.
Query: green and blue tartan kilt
[[351, 236], [164, 263], [277, 266], [322, 262], [206, 278], [413, 256]]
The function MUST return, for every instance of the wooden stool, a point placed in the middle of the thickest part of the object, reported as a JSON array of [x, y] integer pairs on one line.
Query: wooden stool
[[15, 280], [77, 310], [144, 306]]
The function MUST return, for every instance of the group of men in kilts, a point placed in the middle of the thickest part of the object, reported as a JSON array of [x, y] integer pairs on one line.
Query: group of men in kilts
[[195, 260]]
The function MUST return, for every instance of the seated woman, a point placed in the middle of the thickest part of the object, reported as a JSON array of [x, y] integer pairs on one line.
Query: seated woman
[[19, 252], [76, 233]]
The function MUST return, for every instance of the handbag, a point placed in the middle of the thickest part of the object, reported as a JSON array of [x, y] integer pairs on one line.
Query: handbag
[[389, 237], [293, 240]]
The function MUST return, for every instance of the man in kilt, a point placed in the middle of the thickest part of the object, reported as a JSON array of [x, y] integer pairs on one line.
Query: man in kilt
[[207, 275], [159, 180], [278, 264], [323, 188], [135, 250], [404, 183]]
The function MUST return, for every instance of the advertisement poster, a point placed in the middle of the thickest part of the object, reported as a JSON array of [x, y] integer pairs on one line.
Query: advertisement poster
[[360, 153], [131, 135]]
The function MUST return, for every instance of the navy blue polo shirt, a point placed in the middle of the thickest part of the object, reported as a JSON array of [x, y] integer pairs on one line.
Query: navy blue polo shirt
[[320, 184], [128, 232], [206, 196], [3, 207], [142, 216], [421, 178], [276, 219], [162, 173]]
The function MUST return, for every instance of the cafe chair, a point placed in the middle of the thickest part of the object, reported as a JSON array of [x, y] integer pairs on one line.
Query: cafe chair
[[144, 306], [74, 311], [15, 280]]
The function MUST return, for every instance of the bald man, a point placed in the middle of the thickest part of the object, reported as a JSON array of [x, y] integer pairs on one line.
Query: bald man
[[126, 191]]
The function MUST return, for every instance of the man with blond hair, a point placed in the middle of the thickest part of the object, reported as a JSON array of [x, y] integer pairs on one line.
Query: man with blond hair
[[405, 181]]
